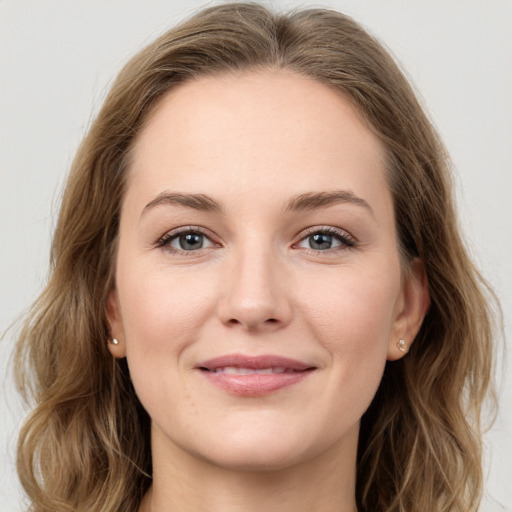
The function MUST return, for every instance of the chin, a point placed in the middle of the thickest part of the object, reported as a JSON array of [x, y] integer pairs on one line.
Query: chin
[[270, 449], [257, 459]]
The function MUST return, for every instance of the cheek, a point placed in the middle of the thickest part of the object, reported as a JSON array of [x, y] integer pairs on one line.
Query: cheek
[[163, 312], [355, 306], [353, 318]]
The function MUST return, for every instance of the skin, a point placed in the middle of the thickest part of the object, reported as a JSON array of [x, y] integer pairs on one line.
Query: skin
[[252, 142]]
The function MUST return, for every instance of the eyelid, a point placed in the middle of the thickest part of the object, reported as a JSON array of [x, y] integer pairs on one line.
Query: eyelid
[[163, 241], [347, 240]]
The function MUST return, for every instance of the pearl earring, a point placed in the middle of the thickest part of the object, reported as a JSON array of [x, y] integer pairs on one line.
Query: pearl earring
[[402, 345], [115, 341]]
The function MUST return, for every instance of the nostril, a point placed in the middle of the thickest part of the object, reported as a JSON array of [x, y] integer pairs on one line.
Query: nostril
[[235, 321]]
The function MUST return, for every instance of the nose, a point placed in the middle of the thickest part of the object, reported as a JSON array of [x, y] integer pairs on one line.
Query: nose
[[255, 295]]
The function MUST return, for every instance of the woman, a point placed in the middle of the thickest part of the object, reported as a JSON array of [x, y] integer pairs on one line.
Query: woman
[[259, 296]]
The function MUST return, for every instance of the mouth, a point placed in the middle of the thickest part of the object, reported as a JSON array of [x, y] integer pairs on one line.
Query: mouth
[[254, 376], [236, 370]]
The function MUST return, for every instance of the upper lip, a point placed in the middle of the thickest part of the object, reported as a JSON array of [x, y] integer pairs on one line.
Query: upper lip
[[254, 362]]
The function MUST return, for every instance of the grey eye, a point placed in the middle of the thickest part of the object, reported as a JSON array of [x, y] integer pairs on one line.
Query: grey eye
[[320, 241], [190, 242]]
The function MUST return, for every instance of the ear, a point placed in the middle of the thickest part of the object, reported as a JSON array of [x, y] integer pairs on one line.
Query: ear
[[412, 307], [116, 326]]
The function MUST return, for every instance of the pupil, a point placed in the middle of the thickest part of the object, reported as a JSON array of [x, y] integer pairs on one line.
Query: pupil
[[191, 241], [320, 241]]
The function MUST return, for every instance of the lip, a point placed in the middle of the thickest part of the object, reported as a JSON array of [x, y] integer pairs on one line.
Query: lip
[[290, 372]]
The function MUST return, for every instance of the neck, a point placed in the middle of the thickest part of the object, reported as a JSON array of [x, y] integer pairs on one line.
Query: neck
[[185, 483]]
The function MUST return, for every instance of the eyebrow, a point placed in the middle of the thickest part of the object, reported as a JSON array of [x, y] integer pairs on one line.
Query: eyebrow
[[314, 200], [307, 201], [195, 201]]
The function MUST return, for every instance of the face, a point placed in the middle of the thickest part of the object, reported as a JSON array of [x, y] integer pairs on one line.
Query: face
[[258, 286]]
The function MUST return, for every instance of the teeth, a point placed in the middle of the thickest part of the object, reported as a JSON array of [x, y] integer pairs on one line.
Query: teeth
[[235, 370]]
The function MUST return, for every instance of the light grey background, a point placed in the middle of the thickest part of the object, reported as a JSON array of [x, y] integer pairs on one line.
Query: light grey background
[[57, 58]]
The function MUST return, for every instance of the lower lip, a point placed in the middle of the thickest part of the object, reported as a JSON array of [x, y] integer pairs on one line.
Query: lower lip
[[255, 384]]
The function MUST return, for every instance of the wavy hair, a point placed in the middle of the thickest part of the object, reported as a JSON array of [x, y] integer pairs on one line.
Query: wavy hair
[[86, 444]]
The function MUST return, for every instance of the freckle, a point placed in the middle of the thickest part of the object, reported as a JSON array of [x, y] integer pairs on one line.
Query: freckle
[[192, 404]]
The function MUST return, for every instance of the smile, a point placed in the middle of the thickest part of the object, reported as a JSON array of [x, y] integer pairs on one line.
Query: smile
[[254, 376], [234, 370]]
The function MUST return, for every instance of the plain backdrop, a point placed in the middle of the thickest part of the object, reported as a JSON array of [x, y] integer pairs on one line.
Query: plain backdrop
[[58, 57]]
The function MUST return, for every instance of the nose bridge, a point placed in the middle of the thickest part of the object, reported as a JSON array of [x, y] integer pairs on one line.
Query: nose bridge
[[253, 294]]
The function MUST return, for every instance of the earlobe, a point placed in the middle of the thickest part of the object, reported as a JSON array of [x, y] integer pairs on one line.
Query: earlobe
[[415, 301], [116, 343]]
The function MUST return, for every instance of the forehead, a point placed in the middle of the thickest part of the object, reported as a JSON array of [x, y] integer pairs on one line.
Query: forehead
[[266, 130]]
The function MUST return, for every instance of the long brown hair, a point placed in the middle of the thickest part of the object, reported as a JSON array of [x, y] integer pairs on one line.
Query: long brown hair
[[86, 444]]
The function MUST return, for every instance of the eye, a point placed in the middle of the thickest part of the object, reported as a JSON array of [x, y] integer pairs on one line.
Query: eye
[[324, 239], [188, 240]]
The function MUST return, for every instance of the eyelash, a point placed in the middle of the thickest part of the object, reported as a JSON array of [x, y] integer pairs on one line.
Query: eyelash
[[345, 239], [165, 241]]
